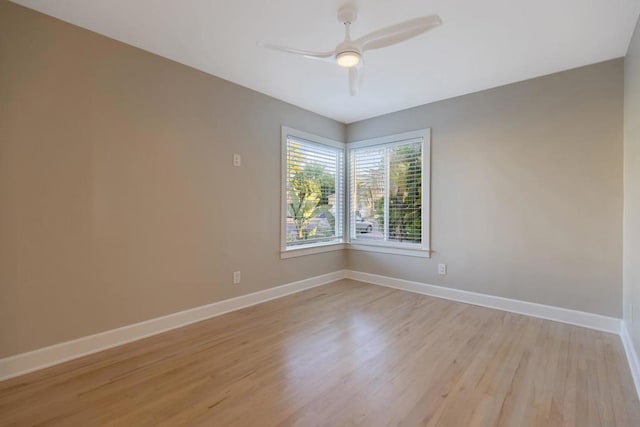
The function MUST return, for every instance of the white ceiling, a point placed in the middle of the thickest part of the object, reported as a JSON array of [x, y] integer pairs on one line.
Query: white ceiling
[[482, 44]]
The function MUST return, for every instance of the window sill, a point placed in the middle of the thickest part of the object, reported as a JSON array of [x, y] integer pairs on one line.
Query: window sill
[[312, 249], [415, 252]]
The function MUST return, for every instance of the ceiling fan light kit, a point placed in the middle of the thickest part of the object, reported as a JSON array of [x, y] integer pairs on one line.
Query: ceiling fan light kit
[[349, 53], [348, 59]]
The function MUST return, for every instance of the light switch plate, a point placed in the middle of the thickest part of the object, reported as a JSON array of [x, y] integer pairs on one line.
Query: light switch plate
[[442, 269]]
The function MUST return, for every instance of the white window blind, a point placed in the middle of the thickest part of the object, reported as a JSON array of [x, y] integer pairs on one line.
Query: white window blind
[[387, 194], [314, 189]]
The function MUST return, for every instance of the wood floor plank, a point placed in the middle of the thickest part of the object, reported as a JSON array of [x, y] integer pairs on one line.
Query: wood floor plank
[[343, 354]]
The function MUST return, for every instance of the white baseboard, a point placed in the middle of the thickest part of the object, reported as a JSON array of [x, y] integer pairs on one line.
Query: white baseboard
[[632, 356], [564, 315], [58, 353]]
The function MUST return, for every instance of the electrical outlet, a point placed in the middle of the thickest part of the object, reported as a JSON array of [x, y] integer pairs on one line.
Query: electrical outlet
[[236, 277], [442, 269], [237, 160]]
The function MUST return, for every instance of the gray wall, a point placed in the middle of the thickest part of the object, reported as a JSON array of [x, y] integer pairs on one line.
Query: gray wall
[[118, 199], [632, 188], [526, 190]]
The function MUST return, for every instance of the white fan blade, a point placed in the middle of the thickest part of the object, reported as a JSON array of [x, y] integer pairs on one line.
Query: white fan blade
[[355, 78], [398, 33], [322, 56]]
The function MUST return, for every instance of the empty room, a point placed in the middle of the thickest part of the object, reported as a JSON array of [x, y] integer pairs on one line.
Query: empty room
[[320, 213]]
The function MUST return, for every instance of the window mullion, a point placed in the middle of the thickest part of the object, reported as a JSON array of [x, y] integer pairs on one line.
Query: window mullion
[[339, 190], [386, 193]]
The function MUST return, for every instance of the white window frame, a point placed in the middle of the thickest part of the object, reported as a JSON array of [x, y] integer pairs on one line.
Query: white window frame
[[318, 247], [423, 249]]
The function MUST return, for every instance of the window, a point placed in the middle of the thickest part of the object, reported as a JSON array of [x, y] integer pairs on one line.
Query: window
[[389, 194], [312, 194]]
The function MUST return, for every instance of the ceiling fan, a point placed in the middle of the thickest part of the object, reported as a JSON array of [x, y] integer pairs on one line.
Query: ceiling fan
[[349, 53]]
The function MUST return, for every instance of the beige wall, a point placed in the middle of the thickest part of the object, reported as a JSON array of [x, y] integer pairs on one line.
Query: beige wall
[[118, 199], [526, 190], [632, 188]]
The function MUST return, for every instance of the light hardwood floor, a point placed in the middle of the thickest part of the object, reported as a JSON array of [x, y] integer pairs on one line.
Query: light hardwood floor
[[343, 354]]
